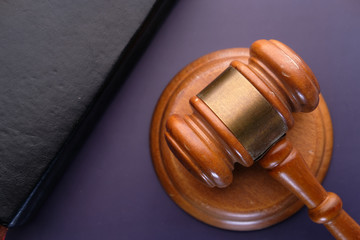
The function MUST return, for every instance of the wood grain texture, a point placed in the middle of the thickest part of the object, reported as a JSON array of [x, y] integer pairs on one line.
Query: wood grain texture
[[253, 200], [285, 164]]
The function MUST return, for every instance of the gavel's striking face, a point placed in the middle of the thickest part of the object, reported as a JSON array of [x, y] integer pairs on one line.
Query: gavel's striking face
[[243, 112]]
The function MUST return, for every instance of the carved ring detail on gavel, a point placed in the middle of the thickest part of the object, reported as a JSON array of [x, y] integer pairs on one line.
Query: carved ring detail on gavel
[[243, 117]]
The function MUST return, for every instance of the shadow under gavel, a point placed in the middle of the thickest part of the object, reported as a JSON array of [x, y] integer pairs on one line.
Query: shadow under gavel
[[243, 117]]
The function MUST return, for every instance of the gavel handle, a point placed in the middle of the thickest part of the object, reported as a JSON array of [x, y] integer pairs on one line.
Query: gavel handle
[[285, 164]]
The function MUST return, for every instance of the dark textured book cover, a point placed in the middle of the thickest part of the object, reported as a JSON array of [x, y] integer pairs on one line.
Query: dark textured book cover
[[57, 60]]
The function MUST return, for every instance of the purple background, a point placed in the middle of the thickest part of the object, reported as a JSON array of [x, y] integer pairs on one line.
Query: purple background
[[110, 191]]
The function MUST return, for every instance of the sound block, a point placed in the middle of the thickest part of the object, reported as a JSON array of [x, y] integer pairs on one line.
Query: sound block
[[254, 200]]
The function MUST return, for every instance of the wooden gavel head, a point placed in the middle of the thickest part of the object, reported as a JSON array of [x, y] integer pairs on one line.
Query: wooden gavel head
[[243, 112]]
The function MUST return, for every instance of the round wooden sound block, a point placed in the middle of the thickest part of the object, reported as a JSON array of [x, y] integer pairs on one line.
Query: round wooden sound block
[[254, 200]]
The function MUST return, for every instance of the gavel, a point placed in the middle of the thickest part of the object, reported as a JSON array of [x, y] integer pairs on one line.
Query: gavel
[[243, 117]]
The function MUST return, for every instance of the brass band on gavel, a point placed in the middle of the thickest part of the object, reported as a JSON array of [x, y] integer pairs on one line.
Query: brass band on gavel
[[245, 112]]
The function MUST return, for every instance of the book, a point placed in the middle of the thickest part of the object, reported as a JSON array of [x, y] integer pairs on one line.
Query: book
[[59, 61]]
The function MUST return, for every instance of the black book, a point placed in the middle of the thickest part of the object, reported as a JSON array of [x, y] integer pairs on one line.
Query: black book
[[59, 60]]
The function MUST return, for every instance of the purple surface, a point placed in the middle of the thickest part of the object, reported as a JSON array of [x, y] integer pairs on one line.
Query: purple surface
[[110, 191]]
